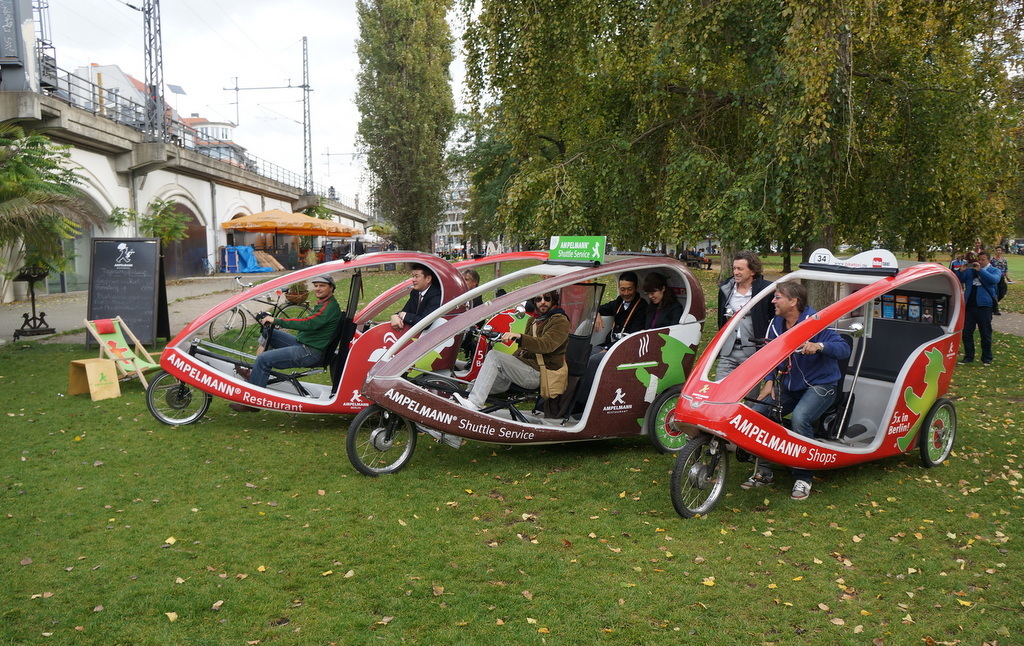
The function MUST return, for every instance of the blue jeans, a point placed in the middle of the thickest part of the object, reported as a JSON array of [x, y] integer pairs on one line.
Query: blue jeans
[[807, 406], [981, 318], [282, 351]]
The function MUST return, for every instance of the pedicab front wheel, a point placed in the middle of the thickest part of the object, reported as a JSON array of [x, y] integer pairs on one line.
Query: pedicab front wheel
[[938, 432], [174, 402], [699, 475], [380, 441]]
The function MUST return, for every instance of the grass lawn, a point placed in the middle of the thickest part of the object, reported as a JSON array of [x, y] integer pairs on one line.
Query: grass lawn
[[247, 529]]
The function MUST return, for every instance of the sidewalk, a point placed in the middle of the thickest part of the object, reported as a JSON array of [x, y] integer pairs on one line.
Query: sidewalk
[[187, 299]]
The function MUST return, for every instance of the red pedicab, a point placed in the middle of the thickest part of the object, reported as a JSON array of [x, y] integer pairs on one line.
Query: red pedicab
[[903, 326], [634, 390], [196, 368]]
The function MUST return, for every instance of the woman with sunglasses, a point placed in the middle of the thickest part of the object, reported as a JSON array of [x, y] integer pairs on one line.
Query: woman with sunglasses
[[547, 334]]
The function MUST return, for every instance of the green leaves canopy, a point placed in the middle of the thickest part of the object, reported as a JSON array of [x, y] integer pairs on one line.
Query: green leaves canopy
[[38, 196], [751, 121]]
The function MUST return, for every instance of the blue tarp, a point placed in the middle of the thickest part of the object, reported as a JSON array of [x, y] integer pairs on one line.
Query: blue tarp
[[247, 261]]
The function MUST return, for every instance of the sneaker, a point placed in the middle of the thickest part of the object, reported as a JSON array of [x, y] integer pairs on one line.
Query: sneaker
[[966, 361], [466, 402], [986, 363], [759, 479], [801, 490]]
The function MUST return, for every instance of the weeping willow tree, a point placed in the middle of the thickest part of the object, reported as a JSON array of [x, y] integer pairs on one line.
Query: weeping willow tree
[[754, 122]]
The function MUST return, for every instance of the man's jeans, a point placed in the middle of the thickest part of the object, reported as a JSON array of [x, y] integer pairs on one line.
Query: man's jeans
[[981, 318], [283, 351], [807, 406], [500, 371]]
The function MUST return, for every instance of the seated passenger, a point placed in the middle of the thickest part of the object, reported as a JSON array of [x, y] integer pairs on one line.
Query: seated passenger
[[810, 379], [627, 309], [546, 335], [424, 299], [665, 308], [304, 350]]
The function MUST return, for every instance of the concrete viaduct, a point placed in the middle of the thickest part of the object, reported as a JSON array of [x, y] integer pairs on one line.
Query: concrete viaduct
[[120, 169]]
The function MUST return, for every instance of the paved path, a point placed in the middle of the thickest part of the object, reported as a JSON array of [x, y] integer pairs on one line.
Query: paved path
[[187, 299], [191, 297]]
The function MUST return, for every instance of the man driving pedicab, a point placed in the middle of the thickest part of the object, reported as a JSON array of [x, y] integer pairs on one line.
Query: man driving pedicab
[[809, 380]]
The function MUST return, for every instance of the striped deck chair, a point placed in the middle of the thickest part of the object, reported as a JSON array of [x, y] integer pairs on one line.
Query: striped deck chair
[[131, 359]]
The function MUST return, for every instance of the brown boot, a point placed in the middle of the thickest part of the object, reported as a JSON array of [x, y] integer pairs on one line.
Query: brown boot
[[243, 372], [242, 408]]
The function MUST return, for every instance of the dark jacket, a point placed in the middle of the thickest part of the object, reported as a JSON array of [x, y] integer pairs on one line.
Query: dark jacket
[[316, 329], [761, 315], [626, 320], [419, 305], [662, 317], [548, 336]]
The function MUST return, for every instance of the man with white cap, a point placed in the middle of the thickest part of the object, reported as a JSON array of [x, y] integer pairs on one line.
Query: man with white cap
[[303, 350]]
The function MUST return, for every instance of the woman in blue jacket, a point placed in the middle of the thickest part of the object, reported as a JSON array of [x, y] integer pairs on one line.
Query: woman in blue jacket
[[810, 378]]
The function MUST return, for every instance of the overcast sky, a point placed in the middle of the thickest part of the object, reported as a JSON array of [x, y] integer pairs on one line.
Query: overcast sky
[[207, 44]]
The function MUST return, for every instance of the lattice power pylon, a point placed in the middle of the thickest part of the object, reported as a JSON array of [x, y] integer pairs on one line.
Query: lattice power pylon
[[156, 111]]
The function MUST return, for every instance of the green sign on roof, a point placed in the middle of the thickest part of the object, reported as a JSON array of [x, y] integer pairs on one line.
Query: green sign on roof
[[577, 248]]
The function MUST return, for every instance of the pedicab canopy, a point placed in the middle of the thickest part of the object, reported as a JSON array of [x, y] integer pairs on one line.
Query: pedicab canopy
[[284, 223]]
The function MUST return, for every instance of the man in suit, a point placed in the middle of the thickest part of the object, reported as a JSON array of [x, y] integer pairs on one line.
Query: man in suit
[[424, 299]]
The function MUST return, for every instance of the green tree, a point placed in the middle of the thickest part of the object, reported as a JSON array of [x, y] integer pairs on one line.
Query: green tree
[[754, 122], [161, 220], [39, 204], [407, 111]]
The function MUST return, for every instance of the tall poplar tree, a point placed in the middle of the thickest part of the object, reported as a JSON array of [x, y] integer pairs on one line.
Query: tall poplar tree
[[407, 111]]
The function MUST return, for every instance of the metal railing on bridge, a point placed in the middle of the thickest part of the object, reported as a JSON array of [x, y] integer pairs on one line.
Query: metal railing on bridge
[[108, 103]]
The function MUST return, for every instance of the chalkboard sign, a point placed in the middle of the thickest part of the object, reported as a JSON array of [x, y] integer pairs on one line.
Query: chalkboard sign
[[125, 281]]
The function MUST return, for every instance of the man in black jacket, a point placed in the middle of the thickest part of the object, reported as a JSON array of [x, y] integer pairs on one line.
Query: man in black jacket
[[733, 294], [424, 299]]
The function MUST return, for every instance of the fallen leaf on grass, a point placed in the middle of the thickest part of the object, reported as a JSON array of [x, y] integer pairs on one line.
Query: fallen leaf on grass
[[217, 605], [350, 574], [171, 540], [26, 561], [438, 590], [531, 620], [384, 621], [528, 595]]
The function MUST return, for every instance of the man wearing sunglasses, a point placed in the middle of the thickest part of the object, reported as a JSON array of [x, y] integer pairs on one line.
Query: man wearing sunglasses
[[547, 335]]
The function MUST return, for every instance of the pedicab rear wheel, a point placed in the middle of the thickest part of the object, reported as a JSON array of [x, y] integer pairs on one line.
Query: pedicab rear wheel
[[658, 423], [174, 402], [699, 475], [380, 441], [938, 432]]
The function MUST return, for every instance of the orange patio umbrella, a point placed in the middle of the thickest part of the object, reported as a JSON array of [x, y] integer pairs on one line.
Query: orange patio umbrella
[[284, 223]]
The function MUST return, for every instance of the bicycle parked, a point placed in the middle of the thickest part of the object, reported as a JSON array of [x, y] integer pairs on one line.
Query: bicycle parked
[[239, 328]]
